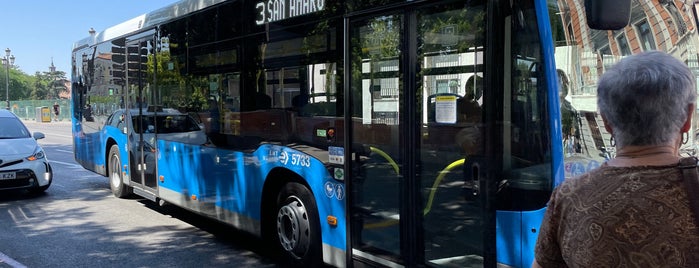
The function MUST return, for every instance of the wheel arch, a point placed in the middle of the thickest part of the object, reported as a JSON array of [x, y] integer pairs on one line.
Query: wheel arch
[[276, 182], [107, 148], [276, 179]]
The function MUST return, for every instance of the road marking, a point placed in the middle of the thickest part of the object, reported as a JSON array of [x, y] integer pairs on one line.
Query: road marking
[[6, 259], [64, 151], [66, 163], [59, 135]]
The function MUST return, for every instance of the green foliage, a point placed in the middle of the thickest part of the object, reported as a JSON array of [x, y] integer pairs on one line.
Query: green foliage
[[382, 38], [19, 84], [40, 86]]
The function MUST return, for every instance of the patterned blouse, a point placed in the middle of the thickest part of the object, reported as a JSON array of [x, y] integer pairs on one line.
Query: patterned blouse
[[620, 217]]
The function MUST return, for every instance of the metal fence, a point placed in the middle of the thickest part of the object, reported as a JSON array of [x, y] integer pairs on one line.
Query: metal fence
[[27, 109]]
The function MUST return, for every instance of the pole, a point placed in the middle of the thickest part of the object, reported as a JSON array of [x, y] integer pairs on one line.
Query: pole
[[7, 83], [8, 60]]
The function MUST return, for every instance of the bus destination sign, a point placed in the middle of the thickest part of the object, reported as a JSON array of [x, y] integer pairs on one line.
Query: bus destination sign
[[277, 10]]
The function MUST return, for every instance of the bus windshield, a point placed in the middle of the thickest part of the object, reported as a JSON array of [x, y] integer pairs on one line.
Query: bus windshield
[[583, 55]]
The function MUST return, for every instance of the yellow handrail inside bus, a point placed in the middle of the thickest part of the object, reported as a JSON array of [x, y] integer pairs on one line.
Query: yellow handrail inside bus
[[387, 157], [380, 224], [441, 175], [433, 190]]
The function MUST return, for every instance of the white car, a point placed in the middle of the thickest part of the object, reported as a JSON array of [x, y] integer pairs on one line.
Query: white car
[[23, 163]]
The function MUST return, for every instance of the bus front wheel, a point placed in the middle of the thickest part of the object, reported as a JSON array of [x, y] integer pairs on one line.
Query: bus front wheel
[[297, 226], [116, 180]]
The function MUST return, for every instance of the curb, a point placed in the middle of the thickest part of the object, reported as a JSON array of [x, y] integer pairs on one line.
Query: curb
[[52, 123]]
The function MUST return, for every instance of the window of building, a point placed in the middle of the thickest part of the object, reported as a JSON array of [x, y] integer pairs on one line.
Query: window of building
[[646, 35], [623, 45]]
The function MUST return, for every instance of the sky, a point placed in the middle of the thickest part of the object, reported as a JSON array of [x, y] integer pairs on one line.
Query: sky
[[37, 31]]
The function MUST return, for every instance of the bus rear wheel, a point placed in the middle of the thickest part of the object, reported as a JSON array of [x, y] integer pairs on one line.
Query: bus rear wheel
[[116, 180], [297, 226]]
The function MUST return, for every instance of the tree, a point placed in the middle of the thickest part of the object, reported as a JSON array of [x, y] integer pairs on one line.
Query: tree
[[19, 84], [56, 85], [41, 87], [48, 85]]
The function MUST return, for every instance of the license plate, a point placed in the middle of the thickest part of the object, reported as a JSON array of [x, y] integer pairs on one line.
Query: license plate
[[8, 176]]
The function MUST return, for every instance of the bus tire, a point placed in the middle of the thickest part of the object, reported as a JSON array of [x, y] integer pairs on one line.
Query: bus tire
[[116, 180], [297, 226]]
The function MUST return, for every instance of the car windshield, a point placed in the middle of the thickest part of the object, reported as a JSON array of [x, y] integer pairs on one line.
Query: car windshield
[[12, 128], [166, 123]]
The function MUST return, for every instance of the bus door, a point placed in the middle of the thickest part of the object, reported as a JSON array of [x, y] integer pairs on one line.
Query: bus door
[[144, 113], [416, 82]]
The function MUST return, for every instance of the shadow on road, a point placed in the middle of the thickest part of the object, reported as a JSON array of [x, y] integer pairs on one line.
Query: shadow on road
[[64, 223], [14, 195], [221, 232]]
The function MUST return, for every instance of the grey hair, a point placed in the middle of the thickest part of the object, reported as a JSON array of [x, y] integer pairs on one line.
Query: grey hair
[[645, 98]]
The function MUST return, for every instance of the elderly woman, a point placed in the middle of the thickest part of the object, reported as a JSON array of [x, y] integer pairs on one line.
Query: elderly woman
[[633, 211]]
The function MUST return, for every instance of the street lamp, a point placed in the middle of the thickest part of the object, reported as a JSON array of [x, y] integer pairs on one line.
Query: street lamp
[[8, 61]]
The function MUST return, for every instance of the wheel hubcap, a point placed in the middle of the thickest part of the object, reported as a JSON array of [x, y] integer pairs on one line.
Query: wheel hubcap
[[114, 170], [293, 227]]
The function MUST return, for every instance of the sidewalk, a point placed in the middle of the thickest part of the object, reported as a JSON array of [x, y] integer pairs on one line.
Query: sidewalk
[[52, 124]]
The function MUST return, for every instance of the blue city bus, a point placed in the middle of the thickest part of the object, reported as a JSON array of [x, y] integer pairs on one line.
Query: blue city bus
[[363, 132]]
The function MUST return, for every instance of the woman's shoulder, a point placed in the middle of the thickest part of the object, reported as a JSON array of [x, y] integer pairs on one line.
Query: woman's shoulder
[[606, 171], [608, 178], [612, 199]]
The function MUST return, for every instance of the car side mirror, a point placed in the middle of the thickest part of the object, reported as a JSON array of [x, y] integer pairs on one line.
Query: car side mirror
[[39, 135]]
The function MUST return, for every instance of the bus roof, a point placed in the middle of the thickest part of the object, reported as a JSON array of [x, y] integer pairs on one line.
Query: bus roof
[[147, 20]]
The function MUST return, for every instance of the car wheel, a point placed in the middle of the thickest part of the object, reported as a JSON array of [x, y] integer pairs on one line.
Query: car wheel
[[116, 180], [297, 226]]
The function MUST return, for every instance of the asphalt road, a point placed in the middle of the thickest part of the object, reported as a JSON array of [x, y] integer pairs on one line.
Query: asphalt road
[[79, 223]]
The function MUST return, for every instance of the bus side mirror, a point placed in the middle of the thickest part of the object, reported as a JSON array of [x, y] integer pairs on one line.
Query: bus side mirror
[[607, 15]]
